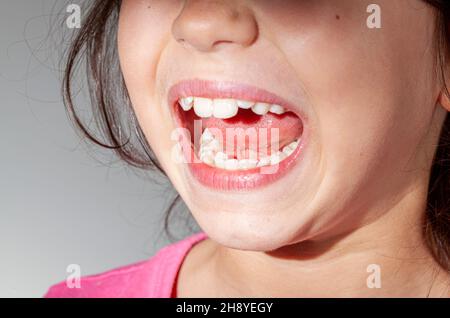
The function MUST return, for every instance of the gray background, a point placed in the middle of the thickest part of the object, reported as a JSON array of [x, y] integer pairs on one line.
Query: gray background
[[61, 202]]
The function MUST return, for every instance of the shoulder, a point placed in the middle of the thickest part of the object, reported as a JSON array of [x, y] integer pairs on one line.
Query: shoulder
[[153, 278]]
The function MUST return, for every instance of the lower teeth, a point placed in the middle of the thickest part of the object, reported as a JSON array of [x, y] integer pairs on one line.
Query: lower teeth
[[210, 153]]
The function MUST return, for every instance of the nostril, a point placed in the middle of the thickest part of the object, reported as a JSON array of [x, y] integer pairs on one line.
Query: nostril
[[221, 42], [183, 43]]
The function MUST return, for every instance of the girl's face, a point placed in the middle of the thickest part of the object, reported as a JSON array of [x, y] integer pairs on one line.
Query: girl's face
[[361, 101]]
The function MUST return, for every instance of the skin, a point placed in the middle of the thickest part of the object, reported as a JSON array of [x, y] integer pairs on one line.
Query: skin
[[374, 106]]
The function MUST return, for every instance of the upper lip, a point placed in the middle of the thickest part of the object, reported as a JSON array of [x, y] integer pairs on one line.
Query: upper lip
[[227, 89]]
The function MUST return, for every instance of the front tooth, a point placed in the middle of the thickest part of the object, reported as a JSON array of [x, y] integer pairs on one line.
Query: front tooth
[[265, 161], [207, 158], [231, 164], [261, 108], [207, 136], [277, 158], [252, 163], [186, 103], [288, 150], [221, 156], [214, 145], [245, 164], [206, 152], [277, 109], [203, 107], [219, 160], [225, 108], [208, 141], [244, 104]]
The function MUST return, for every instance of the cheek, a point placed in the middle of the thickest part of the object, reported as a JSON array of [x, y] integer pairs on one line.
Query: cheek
[[370, 108], [144, 29], [367, 99]]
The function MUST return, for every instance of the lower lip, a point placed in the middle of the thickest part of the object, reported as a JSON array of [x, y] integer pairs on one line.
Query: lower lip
[[241, 180]]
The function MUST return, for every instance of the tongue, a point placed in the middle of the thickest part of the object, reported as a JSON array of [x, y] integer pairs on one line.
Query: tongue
[[288, 126]]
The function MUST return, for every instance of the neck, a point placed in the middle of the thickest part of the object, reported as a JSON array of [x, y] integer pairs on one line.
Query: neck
[[385, 258]]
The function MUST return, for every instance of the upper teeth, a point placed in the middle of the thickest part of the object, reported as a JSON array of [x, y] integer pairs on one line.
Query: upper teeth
[[226, 107], [186, 103]]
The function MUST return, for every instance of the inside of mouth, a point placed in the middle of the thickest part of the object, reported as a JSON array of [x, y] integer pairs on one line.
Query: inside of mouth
[[245, 141]]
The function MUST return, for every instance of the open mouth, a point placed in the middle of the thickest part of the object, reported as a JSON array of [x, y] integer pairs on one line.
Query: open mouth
[[239, 137]]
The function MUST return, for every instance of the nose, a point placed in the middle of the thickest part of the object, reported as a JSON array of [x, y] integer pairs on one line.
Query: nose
[[206, 25]]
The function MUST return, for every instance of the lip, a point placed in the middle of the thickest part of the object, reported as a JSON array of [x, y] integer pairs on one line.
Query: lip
[[225, 180]]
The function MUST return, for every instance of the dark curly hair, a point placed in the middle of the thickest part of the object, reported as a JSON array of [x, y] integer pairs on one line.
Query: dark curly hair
[[117, 128]]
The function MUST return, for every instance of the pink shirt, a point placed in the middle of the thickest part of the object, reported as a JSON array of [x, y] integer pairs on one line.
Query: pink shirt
[[153, 278]]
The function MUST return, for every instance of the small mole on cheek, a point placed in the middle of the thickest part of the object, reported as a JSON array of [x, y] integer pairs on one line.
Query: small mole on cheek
[[338, 17]]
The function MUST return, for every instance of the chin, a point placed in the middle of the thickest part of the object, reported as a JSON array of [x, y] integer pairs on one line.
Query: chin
[[251, 230]]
